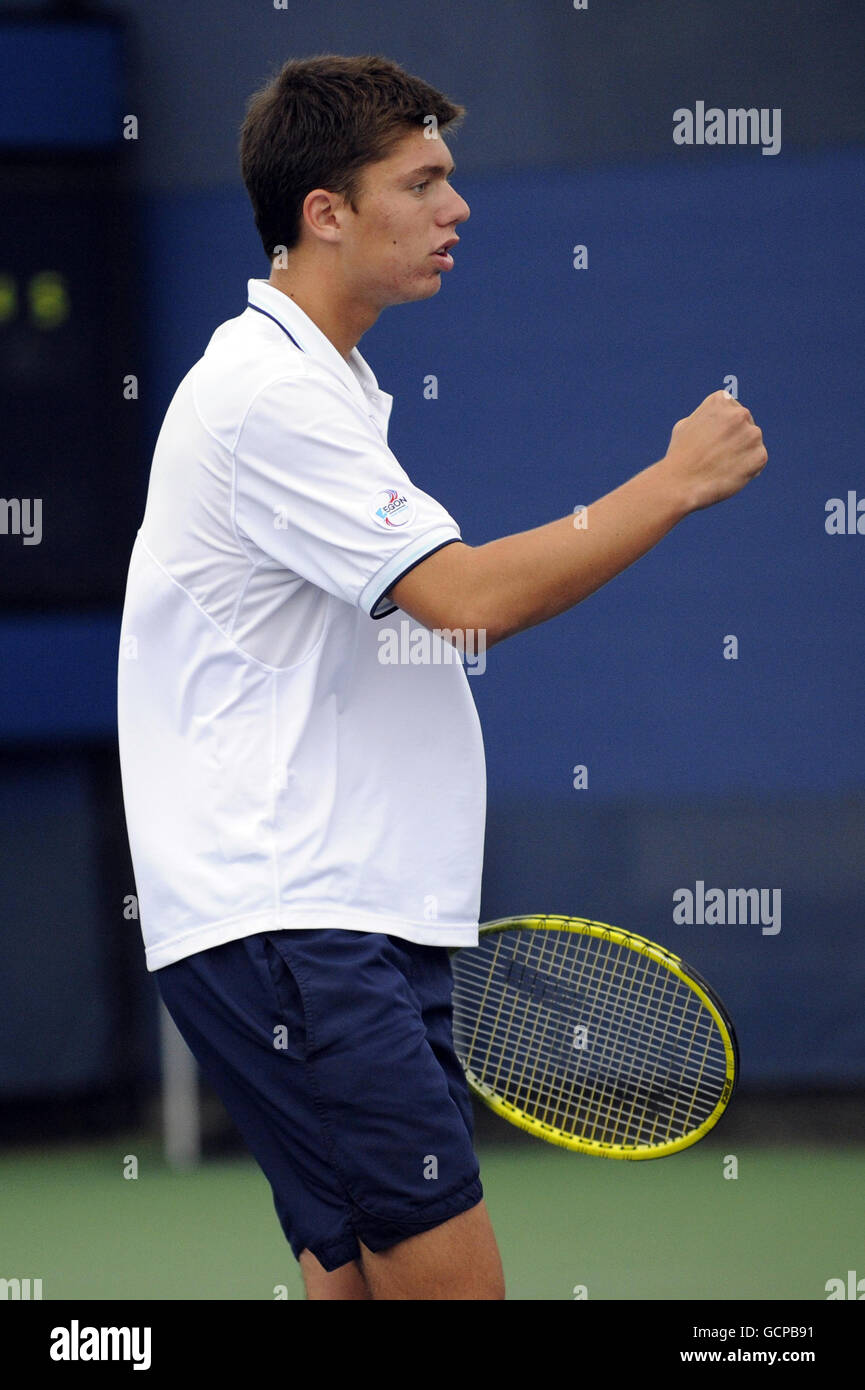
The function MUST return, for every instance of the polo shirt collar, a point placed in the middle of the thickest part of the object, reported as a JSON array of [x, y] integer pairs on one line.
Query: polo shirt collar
[[310, 339]]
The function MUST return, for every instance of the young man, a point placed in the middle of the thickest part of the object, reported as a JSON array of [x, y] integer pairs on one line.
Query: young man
[[306, 822]]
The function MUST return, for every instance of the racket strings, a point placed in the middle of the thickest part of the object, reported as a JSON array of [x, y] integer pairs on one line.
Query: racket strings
[[598, 1092], [604, 1079], [619, 1041], [647, 1064], [607, 1012]]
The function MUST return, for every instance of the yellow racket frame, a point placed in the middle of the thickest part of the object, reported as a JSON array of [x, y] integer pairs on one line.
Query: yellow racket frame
[[584, 926]]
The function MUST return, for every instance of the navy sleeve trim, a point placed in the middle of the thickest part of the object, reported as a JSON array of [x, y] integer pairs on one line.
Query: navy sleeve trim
[[382, 598]]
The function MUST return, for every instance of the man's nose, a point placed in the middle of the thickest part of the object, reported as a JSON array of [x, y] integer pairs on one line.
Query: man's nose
[[463, 212]]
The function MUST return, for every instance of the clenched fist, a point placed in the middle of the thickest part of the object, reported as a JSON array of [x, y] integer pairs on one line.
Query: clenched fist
[[715, 451]]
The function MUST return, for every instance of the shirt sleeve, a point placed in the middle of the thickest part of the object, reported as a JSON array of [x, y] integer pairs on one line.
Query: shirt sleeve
[[317, 489]]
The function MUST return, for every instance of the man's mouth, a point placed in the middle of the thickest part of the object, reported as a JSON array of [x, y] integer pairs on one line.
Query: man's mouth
[[443, 256]]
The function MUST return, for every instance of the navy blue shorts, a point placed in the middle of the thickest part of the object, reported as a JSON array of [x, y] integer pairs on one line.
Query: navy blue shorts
[[333, 1053]]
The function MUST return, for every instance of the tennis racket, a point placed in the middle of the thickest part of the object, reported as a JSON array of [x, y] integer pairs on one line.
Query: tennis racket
[[590, 1037]]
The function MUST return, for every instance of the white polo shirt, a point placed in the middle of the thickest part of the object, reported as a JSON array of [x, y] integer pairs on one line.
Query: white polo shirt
[[277, 772]]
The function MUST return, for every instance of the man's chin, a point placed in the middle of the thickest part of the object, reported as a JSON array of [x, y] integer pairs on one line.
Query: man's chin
[[421, 288], [427, 286]]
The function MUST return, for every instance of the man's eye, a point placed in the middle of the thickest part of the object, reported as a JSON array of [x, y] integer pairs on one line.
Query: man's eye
[[421, 185]]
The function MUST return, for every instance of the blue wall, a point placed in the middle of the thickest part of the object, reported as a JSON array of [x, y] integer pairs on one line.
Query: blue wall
[[554, 386]]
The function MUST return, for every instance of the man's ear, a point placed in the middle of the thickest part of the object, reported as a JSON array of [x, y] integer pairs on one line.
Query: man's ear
[[323, 214]]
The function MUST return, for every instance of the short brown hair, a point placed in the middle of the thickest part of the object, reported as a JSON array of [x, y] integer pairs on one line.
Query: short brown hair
[[317, 123]]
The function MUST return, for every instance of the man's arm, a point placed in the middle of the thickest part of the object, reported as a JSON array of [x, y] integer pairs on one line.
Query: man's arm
[[513, 583]]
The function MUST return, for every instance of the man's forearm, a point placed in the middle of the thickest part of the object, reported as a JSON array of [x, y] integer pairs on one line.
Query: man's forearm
[[523, 579], [518, 581]]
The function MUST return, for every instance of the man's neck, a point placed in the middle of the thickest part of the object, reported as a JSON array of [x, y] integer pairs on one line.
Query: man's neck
[[342, 323]]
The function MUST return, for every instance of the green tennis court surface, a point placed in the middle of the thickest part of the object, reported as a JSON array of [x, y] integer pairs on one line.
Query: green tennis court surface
[[668, 1229]]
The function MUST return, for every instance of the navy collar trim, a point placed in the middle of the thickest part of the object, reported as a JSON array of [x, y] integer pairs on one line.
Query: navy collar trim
[[274, 320]]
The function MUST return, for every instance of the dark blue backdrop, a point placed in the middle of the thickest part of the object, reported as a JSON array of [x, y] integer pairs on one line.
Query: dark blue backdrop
[[555, 385]]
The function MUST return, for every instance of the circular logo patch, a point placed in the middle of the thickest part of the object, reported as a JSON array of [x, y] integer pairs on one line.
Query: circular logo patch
[[391, 508]]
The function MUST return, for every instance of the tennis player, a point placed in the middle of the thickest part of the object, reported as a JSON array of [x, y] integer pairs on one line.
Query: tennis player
[[306, 820]]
